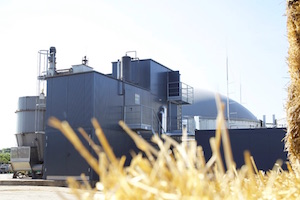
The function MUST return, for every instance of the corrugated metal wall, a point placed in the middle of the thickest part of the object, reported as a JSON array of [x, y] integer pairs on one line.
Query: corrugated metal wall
[[70, 99], [77, 98]]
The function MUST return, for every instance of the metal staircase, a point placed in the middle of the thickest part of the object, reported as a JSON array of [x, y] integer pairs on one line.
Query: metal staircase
[[178, 94]]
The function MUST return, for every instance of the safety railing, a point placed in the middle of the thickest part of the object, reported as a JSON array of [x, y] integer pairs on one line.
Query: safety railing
[[180, 93], [140, 117]]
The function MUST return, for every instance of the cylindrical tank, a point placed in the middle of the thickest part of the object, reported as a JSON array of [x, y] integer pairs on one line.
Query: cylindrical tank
[[126, 68], [31, 123], [30, 108]]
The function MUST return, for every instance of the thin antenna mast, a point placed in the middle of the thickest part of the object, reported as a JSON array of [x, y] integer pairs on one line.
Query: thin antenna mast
[[240, 92], [228, 112]]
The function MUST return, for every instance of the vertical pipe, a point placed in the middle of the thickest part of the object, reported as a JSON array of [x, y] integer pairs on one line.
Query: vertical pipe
[[52, 62], [119, 70]]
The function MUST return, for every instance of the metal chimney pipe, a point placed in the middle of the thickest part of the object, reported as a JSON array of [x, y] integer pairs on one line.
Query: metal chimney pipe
[[126, 68], [52, 62]]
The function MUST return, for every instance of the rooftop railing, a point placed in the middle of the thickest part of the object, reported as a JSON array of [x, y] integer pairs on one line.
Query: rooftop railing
[[140, 117], [180, 93]]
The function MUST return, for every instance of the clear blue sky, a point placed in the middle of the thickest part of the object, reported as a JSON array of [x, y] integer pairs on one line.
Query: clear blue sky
[[190, 36]]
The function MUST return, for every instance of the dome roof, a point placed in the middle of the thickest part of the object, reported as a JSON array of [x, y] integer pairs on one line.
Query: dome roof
[[205, 106]]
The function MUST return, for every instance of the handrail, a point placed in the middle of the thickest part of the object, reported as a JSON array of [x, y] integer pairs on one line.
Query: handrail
[[143, 115], [180, 89], [160, 128]]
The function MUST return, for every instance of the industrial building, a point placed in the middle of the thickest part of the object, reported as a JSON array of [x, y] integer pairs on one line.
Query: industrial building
[[147, 95]]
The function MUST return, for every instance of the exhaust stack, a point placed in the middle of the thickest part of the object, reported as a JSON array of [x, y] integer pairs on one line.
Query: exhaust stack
[[52, 62]]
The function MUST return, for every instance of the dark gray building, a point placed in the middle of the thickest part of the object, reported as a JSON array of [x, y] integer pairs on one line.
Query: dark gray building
[[145, 94], [266, 145]]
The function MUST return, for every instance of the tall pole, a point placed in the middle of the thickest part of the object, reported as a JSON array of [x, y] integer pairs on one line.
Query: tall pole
[[228, 113], [240, 92]]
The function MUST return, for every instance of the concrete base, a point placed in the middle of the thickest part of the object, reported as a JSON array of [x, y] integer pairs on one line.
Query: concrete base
[[36, 189], [6, 179]]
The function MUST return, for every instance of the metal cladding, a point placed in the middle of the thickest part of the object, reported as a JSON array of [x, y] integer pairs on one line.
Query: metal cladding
[[126, 65], [137, 99]]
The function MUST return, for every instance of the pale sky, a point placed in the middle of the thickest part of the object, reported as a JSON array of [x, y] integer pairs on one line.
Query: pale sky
[[192, 36]]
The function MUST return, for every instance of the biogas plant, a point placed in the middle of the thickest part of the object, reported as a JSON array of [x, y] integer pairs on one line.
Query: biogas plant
[[148, 96]]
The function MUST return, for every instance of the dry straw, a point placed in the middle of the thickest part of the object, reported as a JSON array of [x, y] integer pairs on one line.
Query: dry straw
[[179, 170], [292, 139]]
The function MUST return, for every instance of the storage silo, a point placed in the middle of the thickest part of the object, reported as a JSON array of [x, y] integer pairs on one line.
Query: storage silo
[[30, 134]]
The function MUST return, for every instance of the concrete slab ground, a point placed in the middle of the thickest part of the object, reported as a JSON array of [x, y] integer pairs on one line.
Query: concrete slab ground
[[6, 176], [35, 193], [33, 189], [6, 179]]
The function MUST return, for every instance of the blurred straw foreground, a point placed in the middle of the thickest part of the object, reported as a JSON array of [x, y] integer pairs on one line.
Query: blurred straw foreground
[[292, 139], [179, 171]]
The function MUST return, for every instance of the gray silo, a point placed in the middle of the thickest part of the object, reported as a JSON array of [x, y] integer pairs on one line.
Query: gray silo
[[29, 155]]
